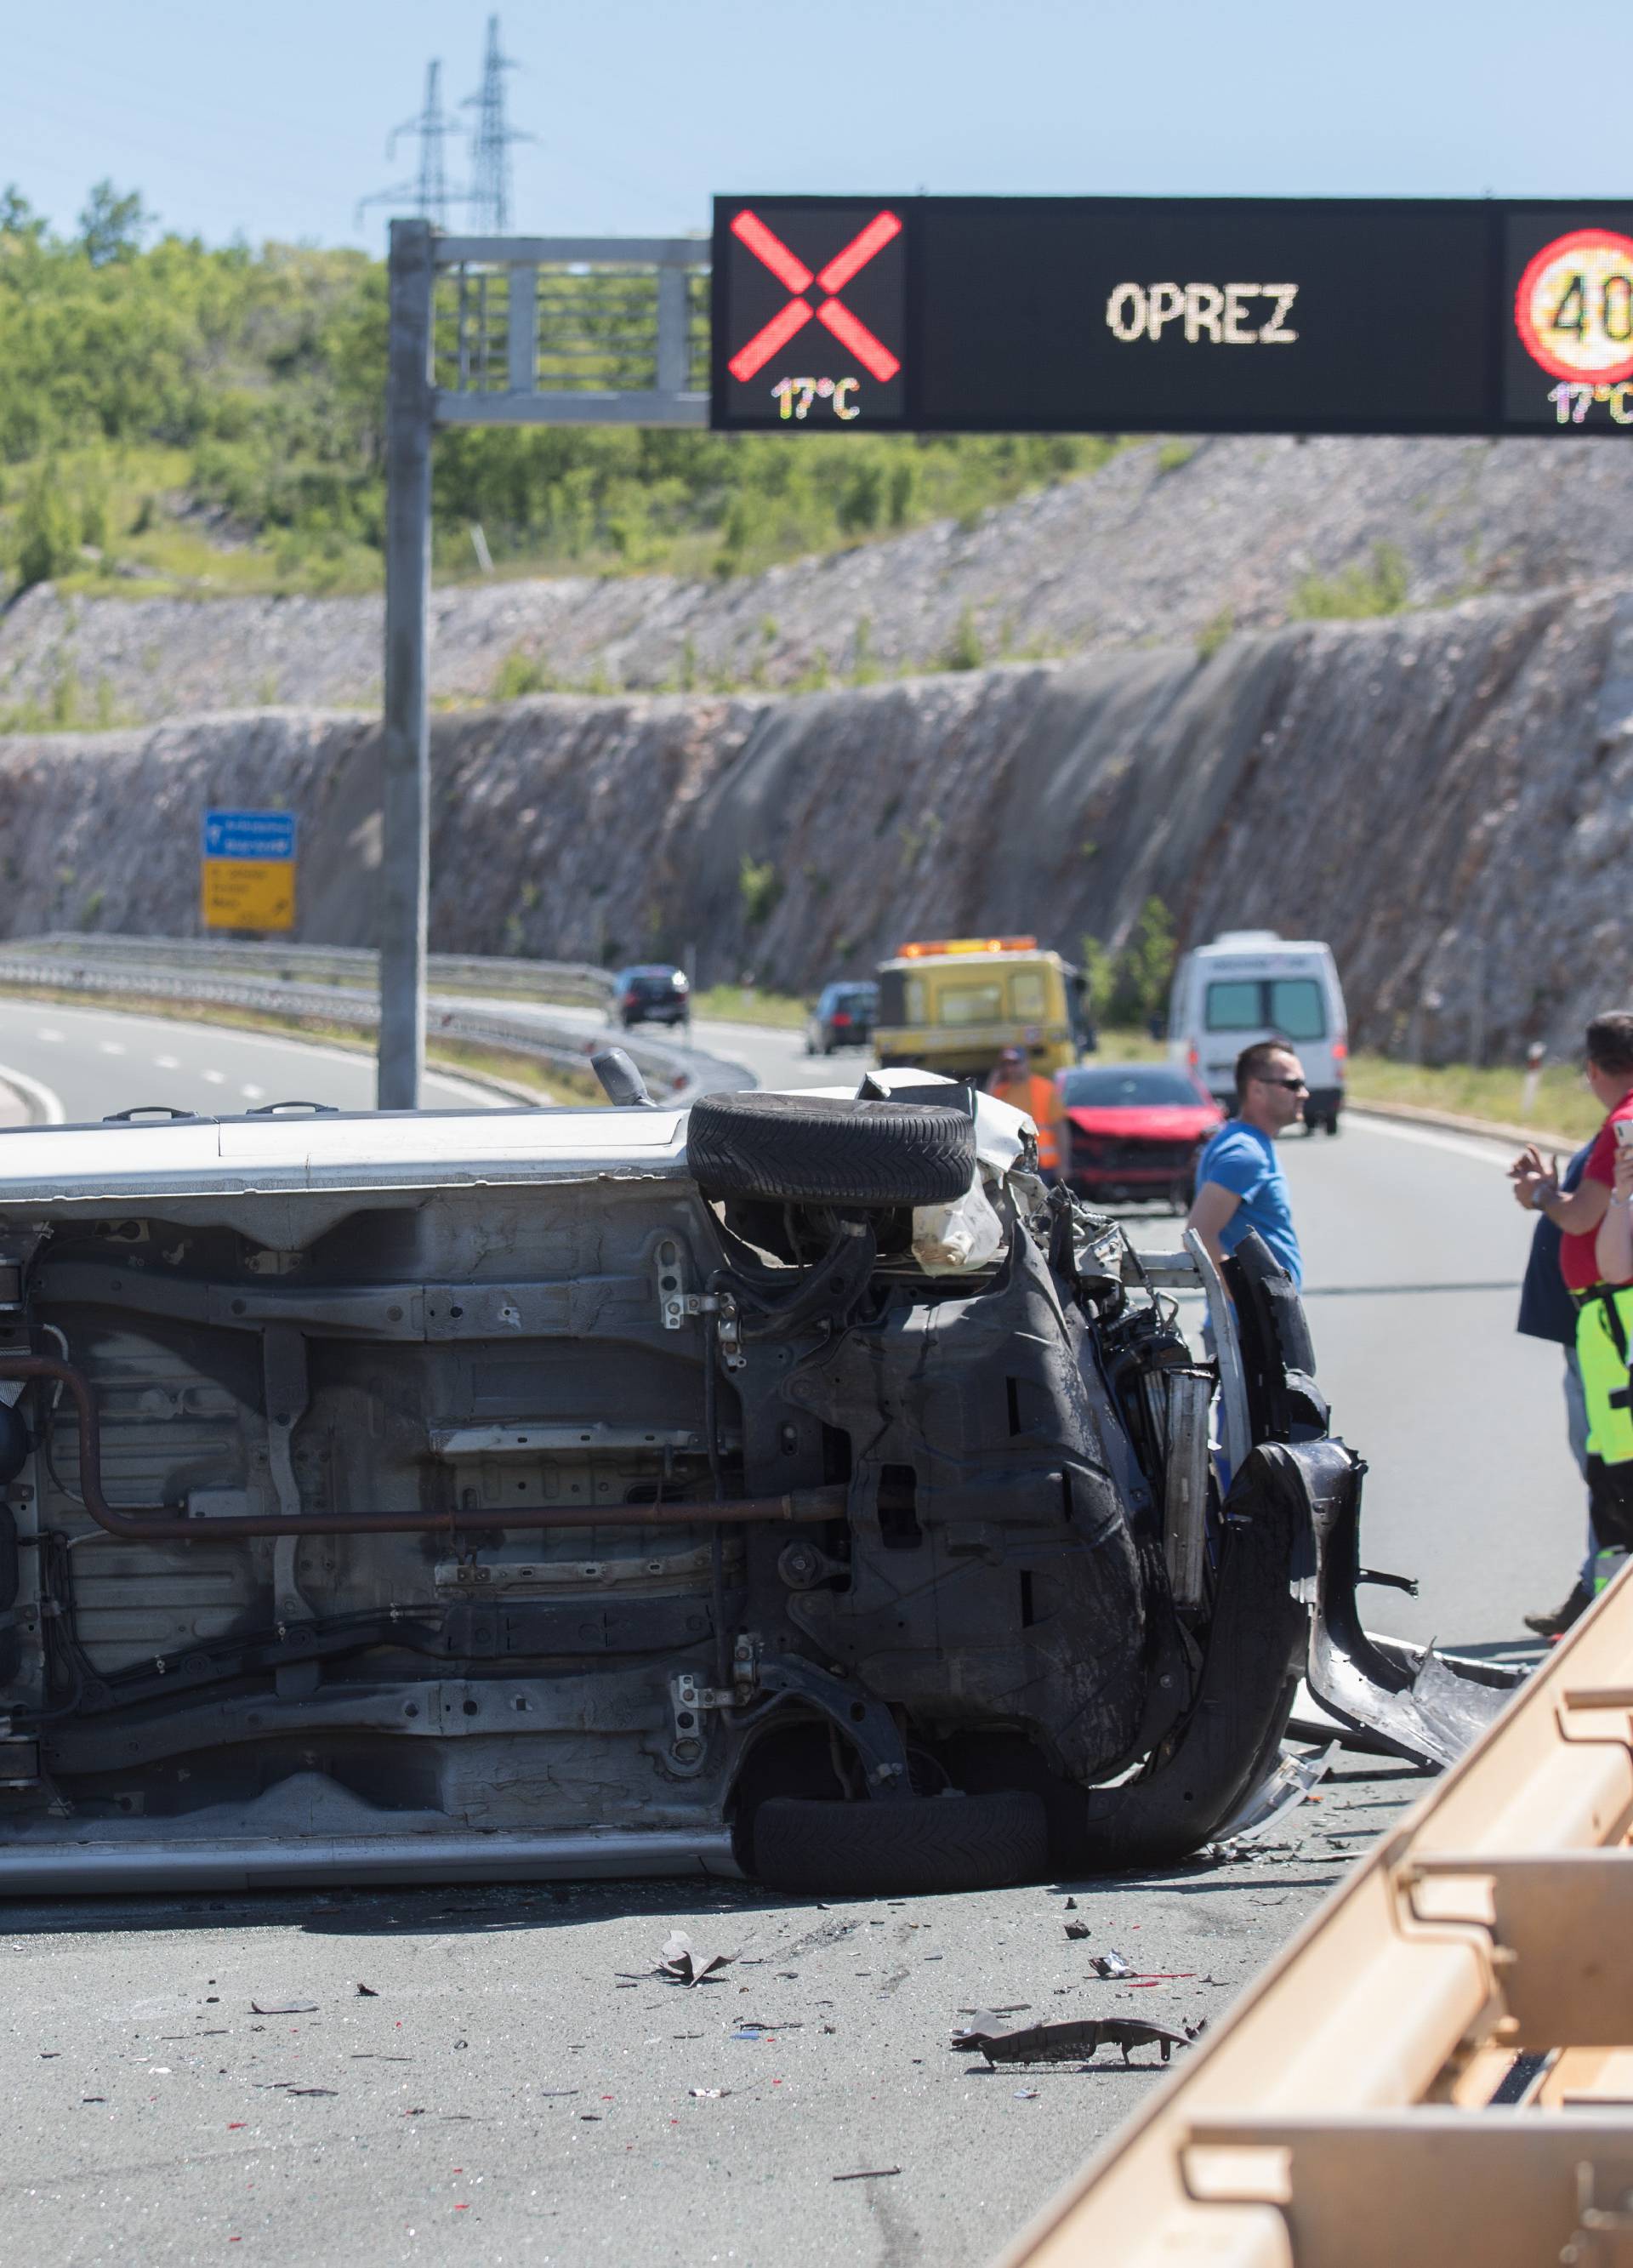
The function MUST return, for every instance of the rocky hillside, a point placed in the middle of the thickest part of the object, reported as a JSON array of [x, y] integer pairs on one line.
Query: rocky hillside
[[1170, 542], [1446, 795]]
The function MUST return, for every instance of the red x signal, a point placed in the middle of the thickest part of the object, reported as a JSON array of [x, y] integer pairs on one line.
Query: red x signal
[[792, 272]]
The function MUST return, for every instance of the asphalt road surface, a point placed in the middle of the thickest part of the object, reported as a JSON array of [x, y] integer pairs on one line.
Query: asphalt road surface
[[98, 1060], [197, 2079]]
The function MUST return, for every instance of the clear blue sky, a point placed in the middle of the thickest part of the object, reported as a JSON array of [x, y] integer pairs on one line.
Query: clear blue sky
[[271, 119]]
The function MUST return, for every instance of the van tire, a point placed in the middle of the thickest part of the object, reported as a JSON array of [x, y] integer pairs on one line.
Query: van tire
[[818, 1150], [882, 1849]]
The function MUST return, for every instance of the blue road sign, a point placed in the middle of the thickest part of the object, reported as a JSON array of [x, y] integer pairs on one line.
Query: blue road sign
[[249, 835]]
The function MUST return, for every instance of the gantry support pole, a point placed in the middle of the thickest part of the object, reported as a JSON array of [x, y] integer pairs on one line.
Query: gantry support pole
[[405, 860]]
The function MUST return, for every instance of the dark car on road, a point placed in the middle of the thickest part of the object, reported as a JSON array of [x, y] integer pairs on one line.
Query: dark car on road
[[653, 992], [1135, 1130], [843, 1017]]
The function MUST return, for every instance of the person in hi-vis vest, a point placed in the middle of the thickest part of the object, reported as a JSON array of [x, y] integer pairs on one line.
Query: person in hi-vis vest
[[1597, 1269], [1035, 1093]]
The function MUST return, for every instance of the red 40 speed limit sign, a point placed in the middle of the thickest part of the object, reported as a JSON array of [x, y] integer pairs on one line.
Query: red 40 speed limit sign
[[1573, 310]]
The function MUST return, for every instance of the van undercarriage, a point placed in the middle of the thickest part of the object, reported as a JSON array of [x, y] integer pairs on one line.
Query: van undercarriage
[[432, 1498]]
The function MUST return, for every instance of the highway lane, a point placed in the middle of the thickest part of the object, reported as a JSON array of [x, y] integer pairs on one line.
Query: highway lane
[[504, 2091], [98, 1060]]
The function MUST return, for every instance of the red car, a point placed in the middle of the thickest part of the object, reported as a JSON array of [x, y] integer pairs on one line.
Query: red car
[[1135, 1131]]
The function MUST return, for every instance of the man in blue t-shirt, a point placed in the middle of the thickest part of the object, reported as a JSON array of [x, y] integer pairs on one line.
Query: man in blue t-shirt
[[1240, 1182]]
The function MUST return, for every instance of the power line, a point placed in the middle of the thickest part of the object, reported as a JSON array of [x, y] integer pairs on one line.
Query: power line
[[428, 194], [491, 142]]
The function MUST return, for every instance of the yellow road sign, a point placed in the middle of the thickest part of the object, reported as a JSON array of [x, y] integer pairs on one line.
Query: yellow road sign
[[249, 893]]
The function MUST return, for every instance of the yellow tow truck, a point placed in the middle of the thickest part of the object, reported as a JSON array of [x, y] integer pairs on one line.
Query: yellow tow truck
[[954, 1005]]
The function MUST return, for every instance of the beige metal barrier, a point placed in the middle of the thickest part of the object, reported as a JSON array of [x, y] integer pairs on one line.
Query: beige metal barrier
[[1439, 2066]]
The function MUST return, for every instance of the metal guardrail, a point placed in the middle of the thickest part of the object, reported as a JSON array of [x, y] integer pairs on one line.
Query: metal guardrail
[[570, 982], [675, 1074], [1440, 2068]]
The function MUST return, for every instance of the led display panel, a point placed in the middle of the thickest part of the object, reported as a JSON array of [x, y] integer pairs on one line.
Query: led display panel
[[1568, 346], [1105, 315], [810, 313]]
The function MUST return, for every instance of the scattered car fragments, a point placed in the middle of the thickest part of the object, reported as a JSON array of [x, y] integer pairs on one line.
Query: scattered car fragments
[[792, 1487], [683, 1965], [1073, 2041]]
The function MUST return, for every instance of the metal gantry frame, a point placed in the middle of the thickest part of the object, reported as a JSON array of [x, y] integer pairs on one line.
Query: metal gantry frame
[[523, 331]]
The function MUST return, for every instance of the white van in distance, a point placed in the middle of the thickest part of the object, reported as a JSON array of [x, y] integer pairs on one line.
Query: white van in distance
[[1251, 984]]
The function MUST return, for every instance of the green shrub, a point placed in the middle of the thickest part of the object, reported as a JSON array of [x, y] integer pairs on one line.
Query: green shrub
[[965, 650], [1356, 592], [759, 889]]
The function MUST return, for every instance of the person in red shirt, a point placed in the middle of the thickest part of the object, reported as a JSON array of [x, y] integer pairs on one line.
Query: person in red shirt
[[1604, 1305]]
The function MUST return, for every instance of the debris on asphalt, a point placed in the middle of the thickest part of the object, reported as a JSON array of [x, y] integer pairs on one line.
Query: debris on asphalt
[[367, 1993], [682, 1964], [1071, 1905], [1076, 1928], [1074, 2041], [1292, 1783], [708, 2094], [284, 2009], [869, 2174], [1026, 2095], [375, 2055], [1104, 1965]]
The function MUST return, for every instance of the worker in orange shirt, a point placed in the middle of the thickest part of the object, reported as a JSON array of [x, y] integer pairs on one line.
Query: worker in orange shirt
[[1035, 1093]]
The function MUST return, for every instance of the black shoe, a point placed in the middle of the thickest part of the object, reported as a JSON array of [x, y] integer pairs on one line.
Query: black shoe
[[1555, 1624]]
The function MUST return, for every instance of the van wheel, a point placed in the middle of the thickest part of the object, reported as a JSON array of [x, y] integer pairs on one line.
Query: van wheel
[[875, 1849], [819, 1150]]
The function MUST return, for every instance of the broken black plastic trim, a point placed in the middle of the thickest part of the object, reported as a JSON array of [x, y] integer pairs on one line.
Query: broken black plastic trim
[[1418, 1704], [1248, 1678]]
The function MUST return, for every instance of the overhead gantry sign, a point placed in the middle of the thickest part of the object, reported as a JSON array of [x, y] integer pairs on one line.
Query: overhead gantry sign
[[1206, 315]]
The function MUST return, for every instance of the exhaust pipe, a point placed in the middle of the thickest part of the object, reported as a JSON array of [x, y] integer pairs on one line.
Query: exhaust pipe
[[160, 1523]]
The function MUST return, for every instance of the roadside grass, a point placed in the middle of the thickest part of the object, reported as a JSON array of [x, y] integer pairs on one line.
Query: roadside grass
[[1563, 1104], [550, 1084], [1495, 1093], [738, 1003]]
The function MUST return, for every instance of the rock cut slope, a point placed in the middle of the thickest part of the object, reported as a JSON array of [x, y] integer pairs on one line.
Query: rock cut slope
[[1165, 543]]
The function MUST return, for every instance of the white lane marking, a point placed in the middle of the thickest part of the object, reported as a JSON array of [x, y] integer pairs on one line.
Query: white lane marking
[[112, 1046], [49, 1032], [251, 1093], [43, 1101], [1490, 1150], [154, 1027], [215, 1078], [167, 1063]]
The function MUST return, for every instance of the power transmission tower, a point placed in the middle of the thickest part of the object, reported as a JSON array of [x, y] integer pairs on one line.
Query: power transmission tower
[[490, 143], [428, 194]]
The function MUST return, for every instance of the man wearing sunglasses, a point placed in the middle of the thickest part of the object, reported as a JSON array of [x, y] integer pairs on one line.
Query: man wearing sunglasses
[[1240, 1182]]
